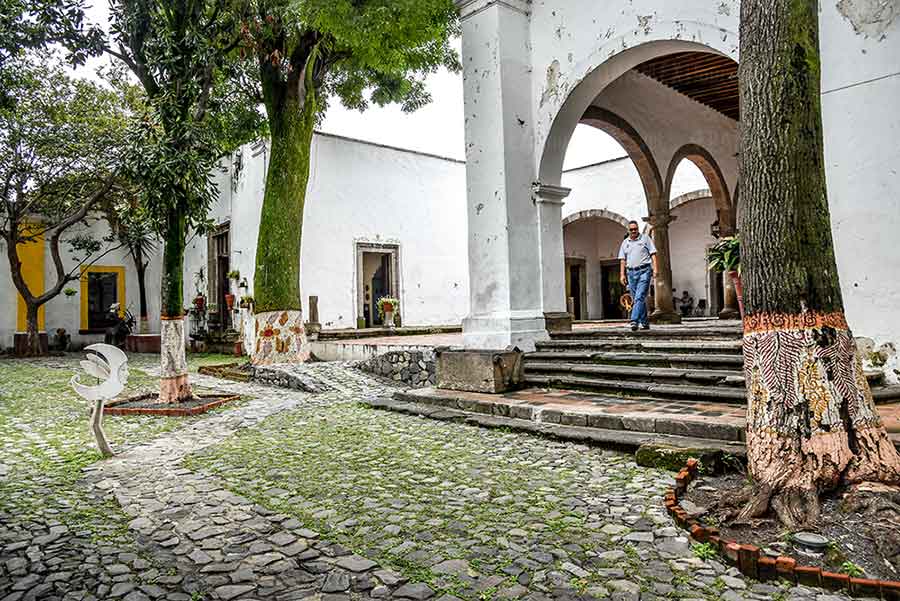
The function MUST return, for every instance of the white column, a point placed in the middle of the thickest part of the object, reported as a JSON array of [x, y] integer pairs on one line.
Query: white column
[[506, 298], [549, 201]]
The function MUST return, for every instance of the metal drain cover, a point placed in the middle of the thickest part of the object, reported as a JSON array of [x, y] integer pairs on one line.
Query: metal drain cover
[[811, 540]]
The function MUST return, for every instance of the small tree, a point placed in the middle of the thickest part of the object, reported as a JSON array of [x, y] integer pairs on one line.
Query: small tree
[[183, 54], [812, 424], [134, 230], [58, 154], [306, 52]]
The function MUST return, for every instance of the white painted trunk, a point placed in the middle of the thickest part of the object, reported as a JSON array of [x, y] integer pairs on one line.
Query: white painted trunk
[[174, 385]]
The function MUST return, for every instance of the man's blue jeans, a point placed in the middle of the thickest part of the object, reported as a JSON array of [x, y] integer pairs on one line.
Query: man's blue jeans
[[639, 284]]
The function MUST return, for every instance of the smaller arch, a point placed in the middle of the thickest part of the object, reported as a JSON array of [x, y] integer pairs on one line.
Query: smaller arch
[[637, 150], [596, 214], [689, 197], [713, 174]]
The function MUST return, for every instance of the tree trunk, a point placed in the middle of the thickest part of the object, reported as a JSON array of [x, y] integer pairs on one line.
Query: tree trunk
[[812, 424], [141, 269], [174, 385], [281, 337], [33, 337]]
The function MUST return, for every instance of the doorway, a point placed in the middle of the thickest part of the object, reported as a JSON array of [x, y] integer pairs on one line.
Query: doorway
[[377, 277], [716, 287], [576, 288], [218, 266], [611, 291]]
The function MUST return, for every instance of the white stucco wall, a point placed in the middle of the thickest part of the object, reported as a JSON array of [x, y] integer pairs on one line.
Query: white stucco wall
[[65, 312], [613, 185], [360, 192], [689, 237]]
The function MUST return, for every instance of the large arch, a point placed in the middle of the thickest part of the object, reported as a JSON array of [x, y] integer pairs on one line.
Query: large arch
[[689, 197], [578, 101], [717, 185], [638, 151], [596, 214]]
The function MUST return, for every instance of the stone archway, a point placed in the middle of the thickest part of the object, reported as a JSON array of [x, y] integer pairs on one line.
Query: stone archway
[[596, 214], [638, 151], [718, 187]]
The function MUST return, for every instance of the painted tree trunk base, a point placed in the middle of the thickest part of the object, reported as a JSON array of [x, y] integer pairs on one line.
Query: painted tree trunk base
[[280, 337], [174, 385], [812, 424]]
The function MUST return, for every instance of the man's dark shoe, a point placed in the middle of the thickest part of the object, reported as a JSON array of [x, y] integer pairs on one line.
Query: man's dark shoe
[[634, 327], [645, 326]]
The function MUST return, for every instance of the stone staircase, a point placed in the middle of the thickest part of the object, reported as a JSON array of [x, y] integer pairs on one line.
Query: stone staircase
[[694, 362]]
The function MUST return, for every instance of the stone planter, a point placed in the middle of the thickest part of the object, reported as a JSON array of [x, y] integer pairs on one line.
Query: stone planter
[[492, 372], [389, 319]]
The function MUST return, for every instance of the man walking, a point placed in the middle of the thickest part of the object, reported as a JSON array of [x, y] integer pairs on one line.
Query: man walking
[[637, 256]]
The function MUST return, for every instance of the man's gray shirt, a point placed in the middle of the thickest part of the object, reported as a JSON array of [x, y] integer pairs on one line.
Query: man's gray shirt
[[637, 252]]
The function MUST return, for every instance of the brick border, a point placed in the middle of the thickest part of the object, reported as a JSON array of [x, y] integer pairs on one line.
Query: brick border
[[752, 563], [113, 409]]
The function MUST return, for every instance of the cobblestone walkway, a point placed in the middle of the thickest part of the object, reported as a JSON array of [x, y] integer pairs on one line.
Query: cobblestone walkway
[[293, 496]]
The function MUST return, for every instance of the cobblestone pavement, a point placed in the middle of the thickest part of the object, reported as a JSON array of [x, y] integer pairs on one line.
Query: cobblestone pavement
[[290, 495]]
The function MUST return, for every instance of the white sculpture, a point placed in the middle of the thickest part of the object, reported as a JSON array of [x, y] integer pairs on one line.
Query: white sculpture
[[112, 370]]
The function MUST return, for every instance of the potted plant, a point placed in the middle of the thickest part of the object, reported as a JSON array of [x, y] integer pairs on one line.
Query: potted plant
[[246, 302], [234, 274], [200, 298], [725, 256], [387, 307], [70, 292]]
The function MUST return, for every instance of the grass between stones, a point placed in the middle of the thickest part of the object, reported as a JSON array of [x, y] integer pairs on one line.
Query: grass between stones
[[411, 494], [45, 442]]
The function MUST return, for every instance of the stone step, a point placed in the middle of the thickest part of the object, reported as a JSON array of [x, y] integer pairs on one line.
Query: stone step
[[886, 394], [707, 377], [682, 360], [583, 417], [734, 347], [654, 333], [621, 439], [644, 390]]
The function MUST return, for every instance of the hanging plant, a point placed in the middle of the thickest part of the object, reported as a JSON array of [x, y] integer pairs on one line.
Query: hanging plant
[[70, 292], [234, 274]]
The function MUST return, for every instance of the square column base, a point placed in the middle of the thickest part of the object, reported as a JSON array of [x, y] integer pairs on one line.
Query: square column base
[[487, 332], [558, 322], [665, 317]]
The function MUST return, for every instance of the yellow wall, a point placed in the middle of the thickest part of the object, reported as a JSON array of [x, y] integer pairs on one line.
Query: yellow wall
[[120, 282], [31, 254]]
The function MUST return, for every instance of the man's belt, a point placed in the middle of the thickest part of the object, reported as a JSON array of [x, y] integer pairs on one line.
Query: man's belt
[[644, 266]]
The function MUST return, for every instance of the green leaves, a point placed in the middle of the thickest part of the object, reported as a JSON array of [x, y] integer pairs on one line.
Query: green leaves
[[725, 255]]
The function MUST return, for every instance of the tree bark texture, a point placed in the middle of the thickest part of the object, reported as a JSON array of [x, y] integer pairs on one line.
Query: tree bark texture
[[174, 385], [291, 107], [141, 269], [812, 424]]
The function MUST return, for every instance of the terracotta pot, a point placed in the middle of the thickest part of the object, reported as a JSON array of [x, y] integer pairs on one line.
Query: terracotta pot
[[229, 300], [738, 289]]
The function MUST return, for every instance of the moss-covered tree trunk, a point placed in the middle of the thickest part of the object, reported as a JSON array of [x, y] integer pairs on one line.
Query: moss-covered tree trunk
[[811, 423], [174, 385], [280, 336], [141, 268]]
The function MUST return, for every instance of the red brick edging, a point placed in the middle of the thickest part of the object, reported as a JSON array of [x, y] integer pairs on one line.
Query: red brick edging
[[112, 409], [751, 562]]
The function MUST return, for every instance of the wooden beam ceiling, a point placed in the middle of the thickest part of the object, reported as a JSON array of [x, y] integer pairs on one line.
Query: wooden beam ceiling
[[709, 79]]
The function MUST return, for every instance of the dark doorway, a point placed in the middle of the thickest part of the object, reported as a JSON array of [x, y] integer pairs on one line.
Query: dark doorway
[[611, 291], [576, 288], [716, 292], [381, 285]]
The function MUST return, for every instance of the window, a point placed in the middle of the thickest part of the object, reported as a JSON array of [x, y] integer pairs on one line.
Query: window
[[101, 287]]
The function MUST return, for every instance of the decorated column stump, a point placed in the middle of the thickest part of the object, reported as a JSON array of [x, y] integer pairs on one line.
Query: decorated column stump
[[279, 337]]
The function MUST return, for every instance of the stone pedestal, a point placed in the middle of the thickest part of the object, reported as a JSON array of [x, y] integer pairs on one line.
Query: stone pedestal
[[491, 372], [731, 309], [143, 343], [313, 327], [664, 311]]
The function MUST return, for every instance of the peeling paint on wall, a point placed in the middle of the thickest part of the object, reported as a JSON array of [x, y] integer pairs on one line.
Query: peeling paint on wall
[[870, 18], [552, 88]]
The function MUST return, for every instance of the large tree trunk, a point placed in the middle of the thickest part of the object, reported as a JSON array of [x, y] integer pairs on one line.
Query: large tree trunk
[[811, 422], [174, 385], [280, 333], [141, 269]]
